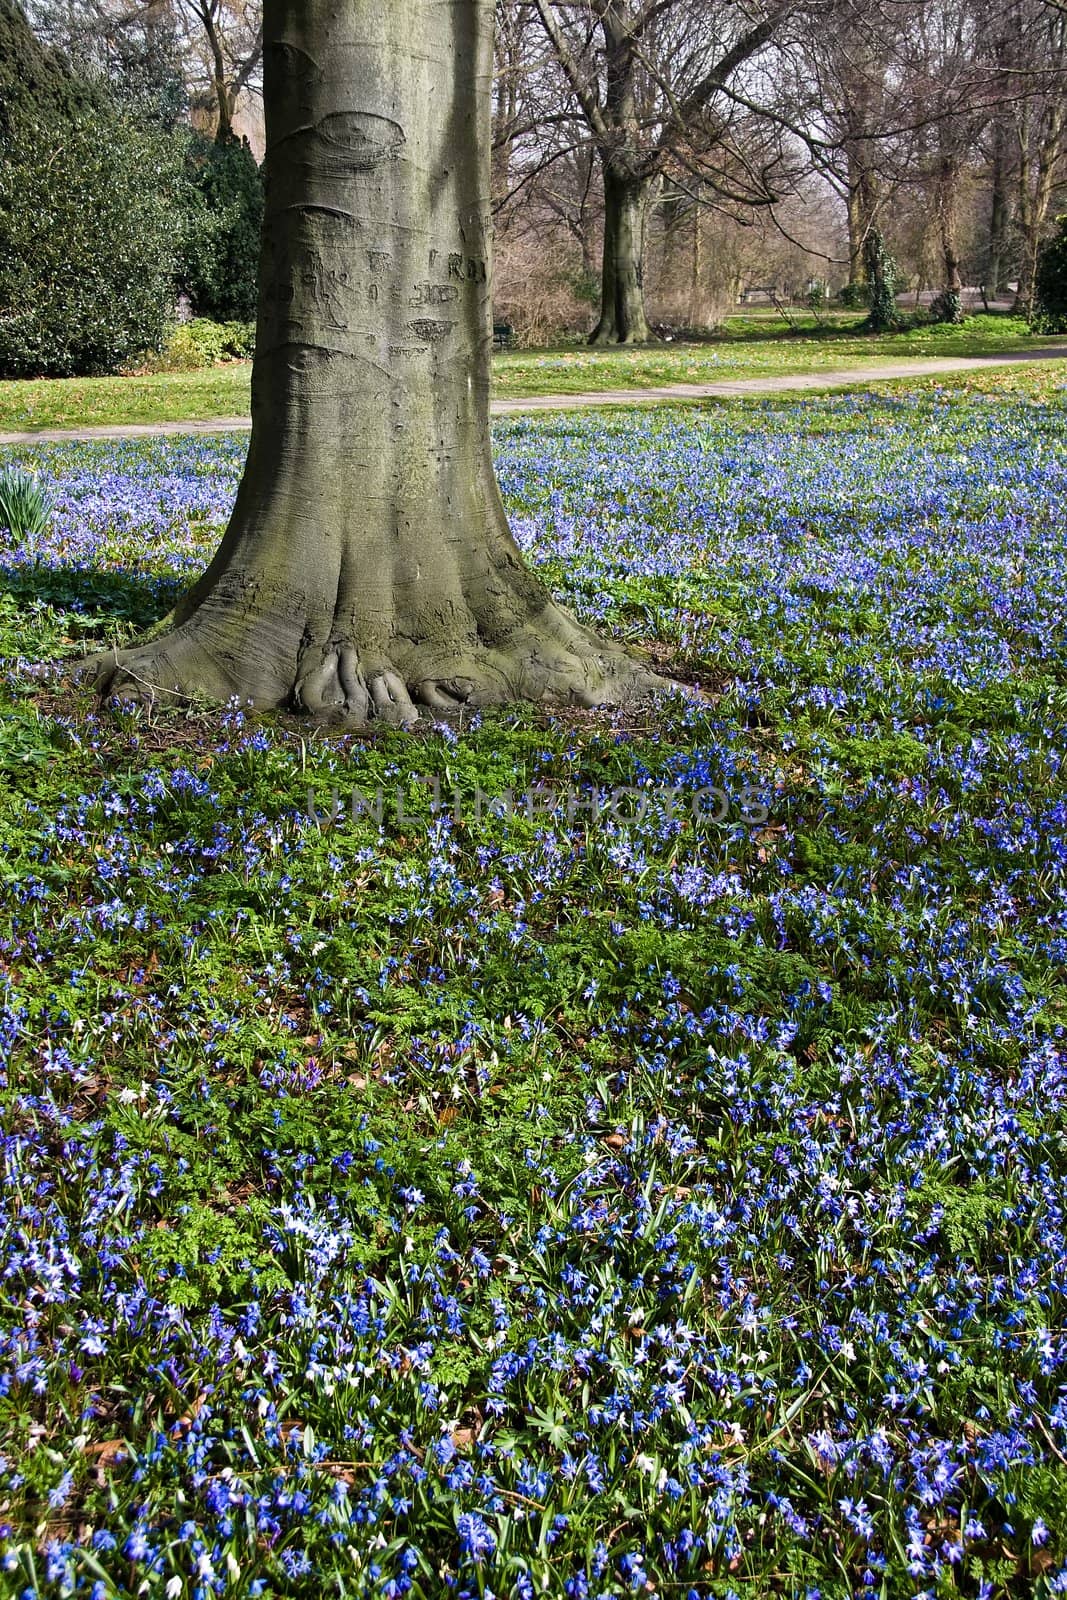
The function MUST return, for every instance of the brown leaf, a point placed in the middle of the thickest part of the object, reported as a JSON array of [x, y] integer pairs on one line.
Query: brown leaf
[[184, 1423], [106, 1451]]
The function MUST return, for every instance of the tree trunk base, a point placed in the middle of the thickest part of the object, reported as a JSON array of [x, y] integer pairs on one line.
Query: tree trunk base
[[601, 337], [250, 653]]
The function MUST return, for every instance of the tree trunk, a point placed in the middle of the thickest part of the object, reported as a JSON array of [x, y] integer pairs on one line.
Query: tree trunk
[[697, 296], [948, 306], [1035, 211], [622, 296], [368, 569], [857, 232], [999, 212], [861, 211]]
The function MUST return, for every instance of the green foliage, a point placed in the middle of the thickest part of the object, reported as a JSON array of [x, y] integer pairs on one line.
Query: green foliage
[[1050, 284], [854, 296], [203, 343], [947, 307], [89, 233], [25, 507], [586, 287], [221, 265], [35, 81]]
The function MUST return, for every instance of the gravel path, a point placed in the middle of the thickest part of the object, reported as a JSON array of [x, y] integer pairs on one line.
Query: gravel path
[[802, 382]]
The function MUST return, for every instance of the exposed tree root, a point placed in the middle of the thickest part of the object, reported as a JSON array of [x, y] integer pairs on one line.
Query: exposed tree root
[[548, 659]]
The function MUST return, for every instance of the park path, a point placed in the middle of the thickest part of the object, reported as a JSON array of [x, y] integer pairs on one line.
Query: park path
[[725, 389]]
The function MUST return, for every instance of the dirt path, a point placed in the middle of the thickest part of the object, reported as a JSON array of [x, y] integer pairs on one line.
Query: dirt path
[[801, 382]]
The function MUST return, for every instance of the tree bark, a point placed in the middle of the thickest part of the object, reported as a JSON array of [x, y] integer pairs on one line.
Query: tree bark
[[861, 211], [622, 297], [999, 211], [368, 569], [948, 307], [857, 275], [1036, 201]]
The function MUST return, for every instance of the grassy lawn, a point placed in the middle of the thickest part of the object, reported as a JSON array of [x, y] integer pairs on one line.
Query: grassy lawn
[[539, 1199], [752, 347]]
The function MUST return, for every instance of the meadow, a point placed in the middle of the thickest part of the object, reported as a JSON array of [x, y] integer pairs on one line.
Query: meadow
[[635, 1166]]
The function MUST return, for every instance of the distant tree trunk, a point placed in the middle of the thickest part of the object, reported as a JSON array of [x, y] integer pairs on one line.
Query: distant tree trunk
[[1036, 188], [368, 569], [949, 305], [224, 95], [857, 277], [623, 319], [999, 212], [697, 296], [861, 203]]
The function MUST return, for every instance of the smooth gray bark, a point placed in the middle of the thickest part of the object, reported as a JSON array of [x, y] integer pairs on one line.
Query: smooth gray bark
[[623, 319], [368, 569]]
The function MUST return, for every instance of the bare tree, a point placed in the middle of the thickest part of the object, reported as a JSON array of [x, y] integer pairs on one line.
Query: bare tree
[[651, 82], [855, 105], [220, 43], [227, 37]]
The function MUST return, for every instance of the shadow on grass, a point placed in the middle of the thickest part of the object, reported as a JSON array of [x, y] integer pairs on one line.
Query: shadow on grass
[[129, 597]]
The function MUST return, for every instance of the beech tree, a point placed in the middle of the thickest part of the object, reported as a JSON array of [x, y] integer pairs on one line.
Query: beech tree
[[368, 569]]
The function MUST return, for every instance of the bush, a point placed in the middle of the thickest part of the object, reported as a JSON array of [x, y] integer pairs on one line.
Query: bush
[[854, 296], [947, 307], [203, 343], [90, 233], [1049, 313], [221, 266], [36, 80]]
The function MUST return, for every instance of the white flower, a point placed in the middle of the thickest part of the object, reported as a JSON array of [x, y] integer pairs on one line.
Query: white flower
[[174, 1587]]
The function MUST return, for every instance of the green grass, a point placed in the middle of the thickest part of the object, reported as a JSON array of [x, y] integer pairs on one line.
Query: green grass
[[751, 348]]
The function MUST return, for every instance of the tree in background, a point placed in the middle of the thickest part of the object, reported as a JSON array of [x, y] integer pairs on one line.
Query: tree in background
[[226, 36], [652, 81], [209, 50], [1050, 283], [134, 50], [953, 85], [854, 105], [1038, 58]]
